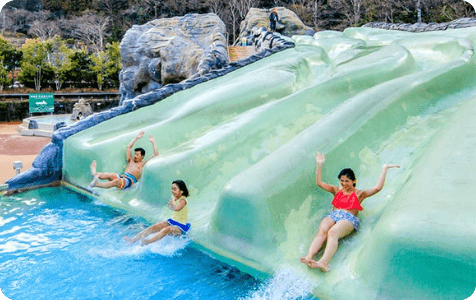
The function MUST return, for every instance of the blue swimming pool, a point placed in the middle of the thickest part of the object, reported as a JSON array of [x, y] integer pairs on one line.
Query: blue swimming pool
[[58, 244]]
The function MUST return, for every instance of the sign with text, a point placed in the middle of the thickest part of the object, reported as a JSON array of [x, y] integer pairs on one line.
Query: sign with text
[[41, 102]]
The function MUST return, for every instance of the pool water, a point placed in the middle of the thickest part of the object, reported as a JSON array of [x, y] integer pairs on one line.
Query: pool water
[[54, 119], [58, 244]]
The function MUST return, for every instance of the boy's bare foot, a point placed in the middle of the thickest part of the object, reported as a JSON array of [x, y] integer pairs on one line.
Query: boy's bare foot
[[318, 265], [94, 182], [93, 168]]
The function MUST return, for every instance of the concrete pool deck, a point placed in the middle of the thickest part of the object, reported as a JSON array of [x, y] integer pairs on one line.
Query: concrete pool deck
[[14, 147]]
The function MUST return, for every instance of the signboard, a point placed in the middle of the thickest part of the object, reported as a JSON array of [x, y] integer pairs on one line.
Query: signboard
[[41, 102]]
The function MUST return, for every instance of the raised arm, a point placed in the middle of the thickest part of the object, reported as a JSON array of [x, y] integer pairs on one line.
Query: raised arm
[[131, 144], [378, 187], [154, 147], [320, 158], [152, 141]]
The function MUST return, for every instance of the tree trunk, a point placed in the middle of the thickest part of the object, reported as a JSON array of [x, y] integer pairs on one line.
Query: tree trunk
[[419, 11], [38, 80], [3, 21], [58, 83]]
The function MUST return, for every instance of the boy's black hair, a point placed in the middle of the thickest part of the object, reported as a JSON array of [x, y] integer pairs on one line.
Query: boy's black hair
[[182, 186], [142, 151]]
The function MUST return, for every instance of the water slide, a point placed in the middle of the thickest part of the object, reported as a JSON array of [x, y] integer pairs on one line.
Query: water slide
[[245, 143]]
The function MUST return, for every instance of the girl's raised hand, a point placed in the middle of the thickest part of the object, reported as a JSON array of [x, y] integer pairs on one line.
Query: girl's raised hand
[[171, 204], [320, 158]]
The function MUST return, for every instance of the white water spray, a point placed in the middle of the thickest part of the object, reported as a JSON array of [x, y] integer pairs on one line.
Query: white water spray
[[287, 284]]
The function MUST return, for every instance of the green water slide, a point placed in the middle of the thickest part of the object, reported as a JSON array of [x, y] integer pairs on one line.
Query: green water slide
[[245, 143]]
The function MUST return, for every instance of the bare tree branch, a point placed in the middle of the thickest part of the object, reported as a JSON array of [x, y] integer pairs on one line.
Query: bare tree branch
[[44, 30], [92, 29]]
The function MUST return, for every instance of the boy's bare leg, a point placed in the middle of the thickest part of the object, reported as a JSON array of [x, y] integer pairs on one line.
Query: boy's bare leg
[[106, 185], [94, 182], [94, 173], [93, 168], [113, 182]]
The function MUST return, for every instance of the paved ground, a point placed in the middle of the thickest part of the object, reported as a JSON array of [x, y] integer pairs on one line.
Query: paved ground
[[14, 146]]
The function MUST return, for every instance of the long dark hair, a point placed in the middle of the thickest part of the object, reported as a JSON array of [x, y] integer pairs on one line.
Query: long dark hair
[[182, 186], [348, 173]]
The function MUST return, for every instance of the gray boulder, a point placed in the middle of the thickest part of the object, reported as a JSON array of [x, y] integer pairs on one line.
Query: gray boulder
[[81, 110], [169, 51], [289, 23]]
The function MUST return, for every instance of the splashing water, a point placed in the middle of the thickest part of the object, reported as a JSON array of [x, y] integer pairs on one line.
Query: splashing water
[[168, 247], [55, 244], [286, 284]]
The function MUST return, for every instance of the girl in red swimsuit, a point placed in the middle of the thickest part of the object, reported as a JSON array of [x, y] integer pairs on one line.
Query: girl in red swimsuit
[[343, 219]]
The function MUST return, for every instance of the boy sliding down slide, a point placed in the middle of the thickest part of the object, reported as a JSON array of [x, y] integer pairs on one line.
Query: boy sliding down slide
[[133, 171]]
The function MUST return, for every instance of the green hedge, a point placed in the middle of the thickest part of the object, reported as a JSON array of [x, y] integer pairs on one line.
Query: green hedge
[[19, 110]]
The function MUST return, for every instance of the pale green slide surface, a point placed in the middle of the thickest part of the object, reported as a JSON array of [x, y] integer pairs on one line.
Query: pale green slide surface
[[245, 143]]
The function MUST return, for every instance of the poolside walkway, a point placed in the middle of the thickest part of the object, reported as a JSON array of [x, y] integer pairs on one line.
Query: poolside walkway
[[14, 146]]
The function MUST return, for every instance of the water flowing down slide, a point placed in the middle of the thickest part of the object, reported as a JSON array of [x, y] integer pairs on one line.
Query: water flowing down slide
[[245, 143]]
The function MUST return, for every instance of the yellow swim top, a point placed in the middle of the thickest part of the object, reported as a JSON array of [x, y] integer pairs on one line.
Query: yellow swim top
[[180, 215]]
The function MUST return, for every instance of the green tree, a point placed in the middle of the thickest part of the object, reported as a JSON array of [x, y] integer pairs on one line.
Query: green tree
[[114, 64], [80, 72], [35, 53], [4, 48], [13, 60], [59, 60], [99, 67], [3, 74], [106, 65]]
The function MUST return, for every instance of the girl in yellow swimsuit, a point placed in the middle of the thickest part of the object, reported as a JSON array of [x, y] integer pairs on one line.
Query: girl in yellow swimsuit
[[343, 219], [177, 225]]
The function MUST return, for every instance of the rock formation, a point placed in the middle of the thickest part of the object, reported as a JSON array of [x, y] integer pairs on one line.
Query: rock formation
[[81, 110], [289, 23], [421, 27], [263, 40], [171, 50]]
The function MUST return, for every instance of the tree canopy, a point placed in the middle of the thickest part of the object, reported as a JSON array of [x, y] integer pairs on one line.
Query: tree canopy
[[77, 41], [98, 20]]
